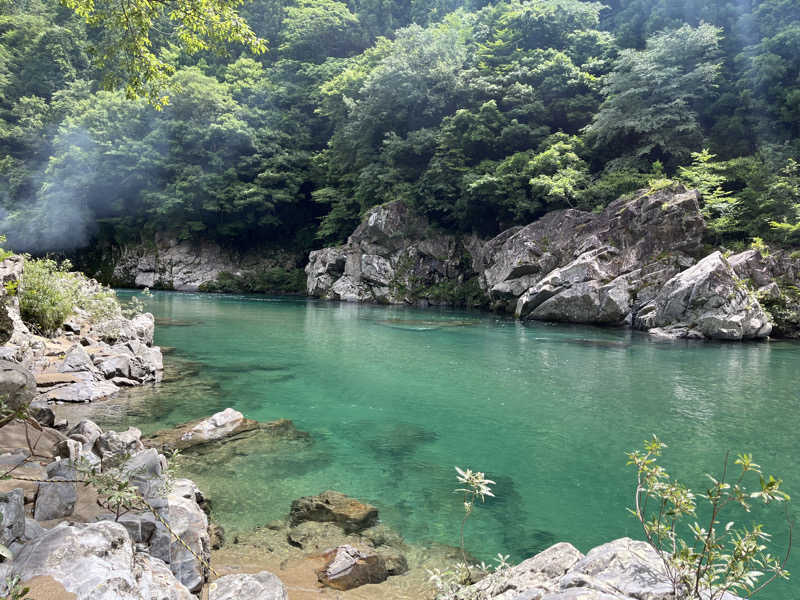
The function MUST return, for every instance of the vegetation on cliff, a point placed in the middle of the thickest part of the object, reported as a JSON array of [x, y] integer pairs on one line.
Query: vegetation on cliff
[[482, 115]]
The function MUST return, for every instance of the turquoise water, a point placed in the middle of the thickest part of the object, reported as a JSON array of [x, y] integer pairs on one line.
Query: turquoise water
[[394, 398]]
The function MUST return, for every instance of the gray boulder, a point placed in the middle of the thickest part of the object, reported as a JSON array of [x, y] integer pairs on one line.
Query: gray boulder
[[17, 385], [76, 360], [120, 329], [535, 576], [258, 586], [102, 564], [12, 511], [57, 496], [114, 448], [708, 298], [188, 521]]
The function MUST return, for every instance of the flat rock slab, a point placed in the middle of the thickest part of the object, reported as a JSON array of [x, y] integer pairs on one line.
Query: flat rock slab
[[82, 391], [330, 506], [51, 379], [258, 586]]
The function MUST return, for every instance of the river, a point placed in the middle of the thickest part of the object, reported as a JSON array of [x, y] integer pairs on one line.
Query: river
[[394, 398]]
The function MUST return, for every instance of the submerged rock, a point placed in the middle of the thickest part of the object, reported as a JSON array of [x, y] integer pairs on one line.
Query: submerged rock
[[223, 425], [256, 586], [330, 506]]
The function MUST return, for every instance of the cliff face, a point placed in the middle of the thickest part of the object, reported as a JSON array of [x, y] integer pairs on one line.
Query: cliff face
[[181, 265], [634, 264]]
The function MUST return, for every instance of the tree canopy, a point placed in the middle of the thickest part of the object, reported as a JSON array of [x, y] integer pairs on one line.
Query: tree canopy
[[287, 119]]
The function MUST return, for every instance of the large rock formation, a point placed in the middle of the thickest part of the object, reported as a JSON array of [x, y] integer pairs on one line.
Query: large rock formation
[[101, 564], [394, 256], [707, 300], [583, 267], [182, 265], [630, 264], [620, 570]]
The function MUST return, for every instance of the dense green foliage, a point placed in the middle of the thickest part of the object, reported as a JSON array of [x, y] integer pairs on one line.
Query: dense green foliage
[[50, 292], [482, 115]]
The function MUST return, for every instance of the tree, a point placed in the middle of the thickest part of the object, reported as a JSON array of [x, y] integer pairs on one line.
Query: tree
[[125, 48], [652, 96]]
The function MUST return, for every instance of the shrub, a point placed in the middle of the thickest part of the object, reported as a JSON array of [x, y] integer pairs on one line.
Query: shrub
[[49, 294], [716, 559]]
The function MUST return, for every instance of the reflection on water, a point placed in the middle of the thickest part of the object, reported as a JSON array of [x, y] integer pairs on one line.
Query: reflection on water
[[546, 411]]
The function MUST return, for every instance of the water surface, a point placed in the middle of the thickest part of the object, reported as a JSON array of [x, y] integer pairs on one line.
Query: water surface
[[394, 398]]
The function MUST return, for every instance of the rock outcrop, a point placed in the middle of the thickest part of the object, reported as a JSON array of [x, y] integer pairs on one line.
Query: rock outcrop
[[88, 358], [620, 570], [101, 564], [394, 256], [707, 300], [168, 263], [628, 265], [583, 267]]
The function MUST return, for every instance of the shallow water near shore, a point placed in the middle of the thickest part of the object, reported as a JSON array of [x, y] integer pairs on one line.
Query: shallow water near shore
[[395, 397]]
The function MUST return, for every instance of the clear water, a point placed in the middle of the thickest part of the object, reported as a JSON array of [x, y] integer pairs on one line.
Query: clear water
[[394, 398]]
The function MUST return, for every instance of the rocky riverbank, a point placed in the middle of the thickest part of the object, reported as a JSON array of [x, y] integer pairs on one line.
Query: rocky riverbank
[[640, 263]]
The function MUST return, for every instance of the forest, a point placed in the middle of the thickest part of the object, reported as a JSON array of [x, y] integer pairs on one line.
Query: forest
[[480, 115]]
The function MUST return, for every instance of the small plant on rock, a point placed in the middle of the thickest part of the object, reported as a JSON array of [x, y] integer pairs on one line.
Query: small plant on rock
[[715, 559], [476, 488]]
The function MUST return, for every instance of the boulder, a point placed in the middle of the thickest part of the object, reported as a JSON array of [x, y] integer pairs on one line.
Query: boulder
[[57, 496], [12, 511], [88, 431], [538, 575], [190, 523], [330, 506], [40, 410], [620, 570], [114, 448], [17, 386], [120, 329], [258, 586], [708, 298], [348, 567], [102, 564], [55, 500], [628, 568], [76, 360]]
